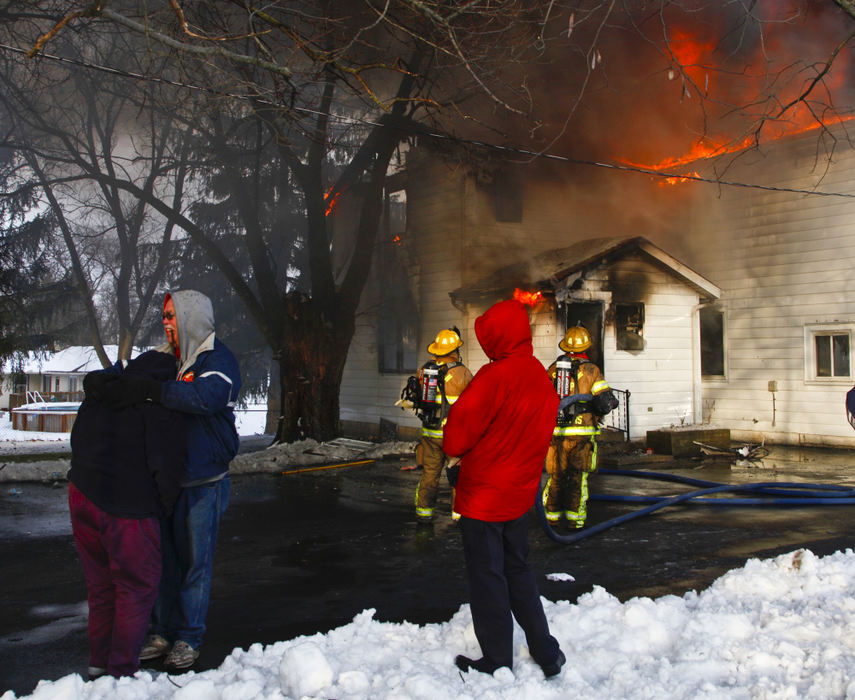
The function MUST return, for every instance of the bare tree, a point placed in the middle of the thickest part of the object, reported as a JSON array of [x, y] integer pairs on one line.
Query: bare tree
[[331, 88], [78, 124]]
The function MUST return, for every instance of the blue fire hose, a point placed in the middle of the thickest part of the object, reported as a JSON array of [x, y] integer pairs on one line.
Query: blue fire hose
[[774, 493]]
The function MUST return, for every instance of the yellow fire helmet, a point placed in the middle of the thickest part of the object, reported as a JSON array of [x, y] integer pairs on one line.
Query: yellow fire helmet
[[576, 339], [446, 342]]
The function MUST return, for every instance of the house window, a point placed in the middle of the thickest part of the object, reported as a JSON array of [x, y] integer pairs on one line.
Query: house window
[[629, 326], [56, 384], [832, 354], [508, 196], [828, 352], [72, 383], [46, 379], [712, 342], [398, 351], [397, 313]]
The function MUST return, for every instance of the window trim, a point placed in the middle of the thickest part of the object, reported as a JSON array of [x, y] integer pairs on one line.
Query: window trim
[[811, 331]]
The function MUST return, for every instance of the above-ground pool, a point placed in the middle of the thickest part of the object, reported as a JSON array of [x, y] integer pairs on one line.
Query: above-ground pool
[[45, 417]]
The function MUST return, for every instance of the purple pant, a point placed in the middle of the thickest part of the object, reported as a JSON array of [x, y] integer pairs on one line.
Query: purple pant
[[121, 562]]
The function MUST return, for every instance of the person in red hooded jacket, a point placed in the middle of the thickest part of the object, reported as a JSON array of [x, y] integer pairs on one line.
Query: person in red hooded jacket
[[501, 427]]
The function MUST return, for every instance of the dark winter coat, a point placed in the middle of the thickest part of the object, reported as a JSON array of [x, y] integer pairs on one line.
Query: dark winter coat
[[502, 423], [130, 461]]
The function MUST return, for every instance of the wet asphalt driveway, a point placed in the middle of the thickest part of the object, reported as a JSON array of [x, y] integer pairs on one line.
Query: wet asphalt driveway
[[305, 553]]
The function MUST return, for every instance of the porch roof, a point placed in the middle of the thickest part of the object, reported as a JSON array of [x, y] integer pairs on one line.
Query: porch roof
[[546, 270]]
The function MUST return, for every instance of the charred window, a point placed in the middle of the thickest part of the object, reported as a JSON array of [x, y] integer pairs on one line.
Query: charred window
[[712, 342], [832, 354], [629, 326], [508, 196]]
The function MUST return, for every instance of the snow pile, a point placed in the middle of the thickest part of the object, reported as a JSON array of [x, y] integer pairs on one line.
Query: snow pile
[[775, 628], [308, 453]]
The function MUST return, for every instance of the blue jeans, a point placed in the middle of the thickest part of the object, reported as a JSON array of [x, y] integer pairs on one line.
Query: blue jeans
[[189, 538]]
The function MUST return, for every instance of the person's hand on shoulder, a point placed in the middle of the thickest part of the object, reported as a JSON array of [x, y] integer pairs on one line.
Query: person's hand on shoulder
[[130, 390], [96, 382]]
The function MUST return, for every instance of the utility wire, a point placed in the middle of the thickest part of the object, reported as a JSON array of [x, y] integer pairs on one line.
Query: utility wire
[[435, 134]]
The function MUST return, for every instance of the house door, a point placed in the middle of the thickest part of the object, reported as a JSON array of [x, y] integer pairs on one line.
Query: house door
[[590, 315]]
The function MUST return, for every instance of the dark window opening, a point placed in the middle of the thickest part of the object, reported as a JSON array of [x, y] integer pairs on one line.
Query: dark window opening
[[629, 326], [589, 315], [398, 317], [507, 193], [832, 355], [712, 343]]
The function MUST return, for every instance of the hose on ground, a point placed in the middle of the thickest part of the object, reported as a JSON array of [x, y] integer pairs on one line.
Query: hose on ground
[[775, 493]]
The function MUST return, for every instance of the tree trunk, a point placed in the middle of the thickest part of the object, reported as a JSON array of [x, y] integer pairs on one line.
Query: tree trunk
[[311, 364]]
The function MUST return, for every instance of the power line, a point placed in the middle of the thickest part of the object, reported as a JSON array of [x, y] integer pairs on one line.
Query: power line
[[435, 134]]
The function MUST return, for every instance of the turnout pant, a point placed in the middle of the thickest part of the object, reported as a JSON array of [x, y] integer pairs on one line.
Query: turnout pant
[[568, 463], [430, 457], [502, 584], [121, 563]]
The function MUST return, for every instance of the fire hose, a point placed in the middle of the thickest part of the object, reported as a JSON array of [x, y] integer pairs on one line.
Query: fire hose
[[772, 493]]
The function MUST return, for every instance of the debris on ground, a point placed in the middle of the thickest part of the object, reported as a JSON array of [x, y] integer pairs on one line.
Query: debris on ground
[[747, 452]]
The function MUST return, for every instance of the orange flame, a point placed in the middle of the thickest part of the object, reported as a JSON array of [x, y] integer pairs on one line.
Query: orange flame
[[696, 57], [331, 199], [528, 298], [706, 148]]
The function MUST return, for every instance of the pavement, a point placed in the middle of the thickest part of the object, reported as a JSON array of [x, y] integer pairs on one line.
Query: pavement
[[305, 553]]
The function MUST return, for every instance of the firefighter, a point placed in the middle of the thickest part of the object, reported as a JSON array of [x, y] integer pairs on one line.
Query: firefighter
[[441, 380], [585, 397]]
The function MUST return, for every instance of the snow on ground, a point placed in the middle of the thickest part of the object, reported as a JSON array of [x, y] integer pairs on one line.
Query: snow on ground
[[778, 628]]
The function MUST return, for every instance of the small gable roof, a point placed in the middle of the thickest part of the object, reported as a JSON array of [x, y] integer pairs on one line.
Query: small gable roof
[[547, 269]]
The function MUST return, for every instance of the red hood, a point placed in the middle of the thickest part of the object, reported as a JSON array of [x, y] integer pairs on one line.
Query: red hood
[[504, 330]]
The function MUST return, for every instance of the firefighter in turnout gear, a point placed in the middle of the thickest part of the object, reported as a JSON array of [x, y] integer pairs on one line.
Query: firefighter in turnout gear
[[440, 381], [585, 397]]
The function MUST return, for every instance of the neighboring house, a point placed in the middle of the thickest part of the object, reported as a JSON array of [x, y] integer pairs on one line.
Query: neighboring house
[[744, 296], [53, 375]]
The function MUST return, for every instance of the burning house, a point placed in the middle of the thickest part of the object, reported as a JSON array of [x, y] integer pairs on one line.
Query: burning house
[[728, 306], [473, 238]]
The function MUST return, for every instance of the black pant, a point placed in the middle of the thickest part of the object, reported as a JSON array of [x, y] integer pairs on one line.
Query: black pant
[[501, 582]]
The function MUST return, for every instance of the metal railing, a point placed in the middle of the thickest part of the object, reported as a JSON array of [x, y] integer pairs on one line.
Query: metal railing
[[618, 419], [34, 397]]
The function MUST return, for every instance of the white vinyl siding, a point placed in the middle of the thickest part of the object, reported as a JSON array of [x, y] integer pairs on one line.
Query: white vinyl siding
[[784, 261]]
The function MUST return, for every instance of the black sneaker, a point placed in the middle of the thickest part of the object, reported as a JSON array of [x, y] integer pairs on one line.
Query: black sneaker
[[553, 669], [464, 663]]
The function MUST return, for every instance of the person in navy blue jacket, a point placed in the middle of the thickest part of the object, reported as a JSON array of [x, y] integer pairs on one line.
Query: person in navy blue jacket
[[205, 389]]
